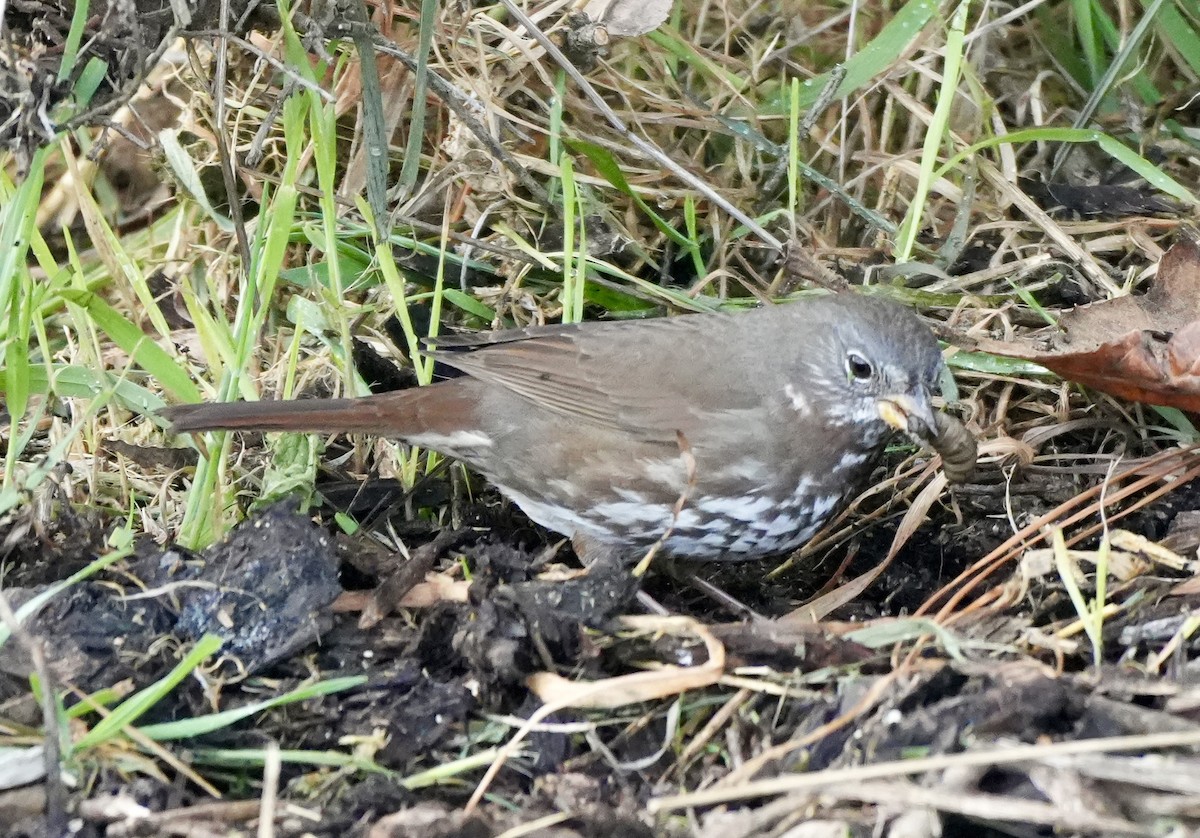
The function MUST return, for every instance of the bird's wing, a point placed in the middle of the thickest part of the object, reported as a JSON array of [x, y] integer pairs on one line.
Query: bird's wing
[[625, 376], [472, 341]]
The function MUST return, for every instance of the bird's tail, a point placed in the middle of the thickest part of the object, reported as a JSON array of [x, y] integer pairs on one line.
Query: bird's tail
[[389, 414]]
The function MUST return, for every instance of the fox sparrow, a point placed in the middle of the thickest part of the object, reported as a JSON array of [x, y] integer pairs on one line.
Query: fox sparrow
[[728, 436]]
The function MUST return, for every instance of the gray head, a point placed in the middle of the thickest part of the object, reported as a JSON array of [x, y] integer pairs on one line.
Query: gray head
[[872, 363]]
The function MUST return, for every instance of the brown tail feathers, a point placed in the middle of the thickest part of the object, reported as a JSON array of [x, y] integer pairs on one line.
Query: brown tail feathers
[[390, 414]]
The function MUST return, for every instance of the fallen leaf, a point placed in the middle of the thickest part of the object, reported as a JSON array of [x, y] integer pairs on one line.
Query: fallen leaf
[[1144, 349], [625, 18]]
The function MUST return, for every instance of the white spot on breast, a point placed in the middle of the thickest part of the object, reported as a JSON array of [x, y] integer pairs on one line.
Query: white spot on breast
[[782, 525], [751, 470], [707, 526], [747, 509], [556, 518], [626, 513], [852, 459], [563, 487], [456, 441], [670, 473], [799, 400], [822, 506]]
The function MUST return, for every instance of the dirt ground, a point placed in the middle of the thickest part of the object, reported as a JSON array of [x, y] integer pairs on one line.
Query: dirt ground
[[371, 645]]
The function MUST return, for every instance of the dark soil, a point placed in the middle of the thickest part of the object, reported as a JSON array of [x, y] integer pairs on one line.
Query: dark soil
[[432, 677]]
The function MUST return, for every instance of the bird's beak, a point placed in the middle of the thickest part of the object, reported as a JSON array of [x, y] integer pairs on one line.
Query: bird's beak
[[912, 414]]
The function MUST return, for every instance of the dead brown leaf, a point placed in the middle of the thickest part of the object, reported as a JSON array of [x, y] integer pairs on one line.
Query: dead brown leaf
[[1144, 349]]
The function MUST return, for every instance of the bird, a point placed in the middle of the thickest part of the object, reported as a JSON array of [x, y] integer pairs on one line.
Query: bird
[[712, 436]]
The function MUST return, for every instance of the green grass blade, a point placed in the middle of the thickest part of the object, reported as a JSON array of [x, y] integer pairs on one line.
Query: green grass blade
[[1092, 623], [895, 39], [89, 81], [571, 259], [469, 304], [1089, 40], [610, 170], [416, 119], [188, 728], [257, 757], [1118, 151], [187, 174], [17, 218], [141, 349], [132, 708], [73, 380], [1174, 27], [938, 127], [79, 19]]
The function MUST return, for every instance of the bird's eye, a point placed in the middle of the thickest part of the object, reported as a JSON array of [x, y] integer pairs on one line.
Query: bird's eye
[[858, 368]]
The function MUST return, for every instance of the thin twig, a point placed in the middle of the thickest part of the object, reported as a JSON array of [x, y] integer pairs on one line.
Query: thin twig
[[56, 795]]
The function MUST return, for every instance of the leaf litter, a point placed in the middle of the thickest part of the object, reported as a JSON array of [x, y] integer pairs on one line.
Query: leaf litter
[[1142, 348], [983, 689]]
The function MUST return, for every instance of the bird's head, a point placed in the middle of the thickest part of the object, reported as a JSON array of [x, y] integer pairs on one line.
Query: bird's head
[[878, 366]]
